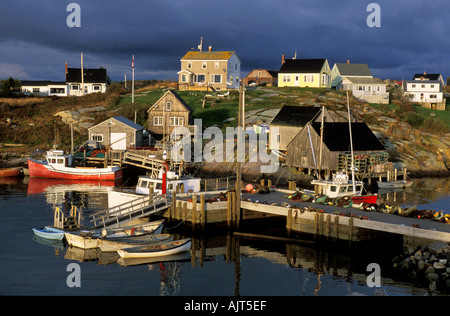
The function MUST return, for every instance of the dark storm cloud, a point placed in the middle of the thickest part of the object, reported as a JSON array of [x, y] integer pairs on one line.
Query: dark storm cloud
[[35, 40]]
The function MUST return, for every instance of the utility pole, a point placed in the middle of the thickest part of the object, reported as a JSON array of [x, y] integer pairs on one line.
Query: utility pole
[[240, 151], [82, 75]]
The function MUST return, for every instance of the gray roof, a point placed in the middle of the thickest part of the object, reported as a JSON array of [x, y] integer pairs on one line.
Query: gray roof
[[365, 80], [128, 122], [353, 69]]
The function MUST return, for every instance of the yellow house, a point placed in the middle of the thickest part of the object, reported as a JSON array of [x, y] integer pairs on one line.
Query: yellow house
[[314, 73]]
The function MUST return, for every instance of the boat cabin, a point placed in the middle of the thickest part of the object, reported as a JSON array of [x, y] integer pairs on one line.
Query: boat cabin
[[57, 158], [173, 180], [340, 186]]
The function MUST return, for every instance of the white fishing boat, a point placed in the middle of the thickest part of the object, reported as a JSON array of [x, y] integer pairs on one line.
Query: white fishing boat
[[399, 184], [48, 232], [161, 249]]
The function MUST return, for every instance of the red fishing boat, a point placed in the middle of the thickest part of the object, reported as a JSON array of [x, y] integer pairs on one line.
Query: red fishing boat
[[10, 172], [59, 166]]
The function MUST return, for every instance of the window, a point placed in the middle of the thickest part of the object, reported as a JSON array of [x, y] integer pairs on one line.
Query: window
[[36, 90], [278, 138], [216, 65], [423, 86], [216, 78], [413, 86], [97, 87], [75, 87], [57, 90], [204, 65], [432, 86], [200, 78], [333, 188], [286, 78], [189, 65], [157, 121], [176, 121], [184, 78], [169, 106], [97, 137], [308, 78], [433, 96]]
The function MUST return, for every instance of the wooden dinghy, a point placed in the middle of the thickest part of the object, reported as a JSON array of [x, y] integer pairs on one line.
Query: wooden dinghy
[[114, 244], [48, 232], [161, 249], [87, 239], [394, 184]]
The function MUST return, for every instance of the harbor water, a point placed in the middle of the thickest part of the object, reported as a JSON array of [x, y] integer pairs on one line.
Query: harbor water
[[224, 264]]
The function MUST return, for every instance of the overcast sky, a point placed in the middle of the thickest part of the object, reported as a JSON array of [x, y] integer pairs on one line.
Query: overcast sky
[[35, 40]]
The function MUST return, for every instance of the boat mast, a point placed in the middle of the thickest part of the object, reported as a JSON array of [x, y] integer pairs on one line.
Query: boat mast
[[351, 145], [321, 144]]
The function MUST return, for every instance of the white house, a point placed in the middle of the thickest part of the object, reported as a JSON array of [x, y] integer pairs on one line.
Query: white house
[[343, 70], [428, 93], [371, 90], [94, 81], [44, 88]]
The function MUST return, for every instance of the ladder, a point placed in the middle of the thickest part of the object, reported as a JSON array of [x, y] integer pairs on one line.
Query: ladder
[[126, 212], [70, 221]]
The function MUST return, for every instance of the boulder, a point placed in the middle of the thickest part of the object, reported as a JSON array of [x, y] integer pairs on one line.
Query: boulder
[[439, 247]]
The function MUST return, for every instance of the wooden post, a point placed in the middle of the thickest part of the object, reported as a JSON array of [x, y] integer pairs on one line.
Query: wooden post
[[229, 208], [269, 183], [194, 211], [289, 222], [233, 209], [203, 211], [262, 182], [350, 229], [184, 210], [174, 204], [336, 226]]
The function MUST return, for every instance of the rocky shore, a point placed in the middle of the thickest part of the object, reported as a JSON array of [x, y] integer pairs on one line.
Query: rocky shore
[[427, 265]]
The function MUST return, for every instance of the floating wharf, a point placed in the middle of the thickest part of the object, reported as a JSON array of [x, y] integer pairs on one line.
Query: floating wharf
[[303, 217]]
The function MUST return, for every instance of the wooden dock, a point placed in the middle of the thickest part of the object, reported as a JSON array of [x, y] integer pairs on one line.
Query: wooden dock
[[301, 217]]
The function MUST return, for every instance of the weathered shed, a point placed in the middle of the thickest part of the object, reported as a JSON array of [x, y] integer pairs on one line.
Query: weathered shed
[[118, 132], [303, 151], [290, 120], [169, 112]]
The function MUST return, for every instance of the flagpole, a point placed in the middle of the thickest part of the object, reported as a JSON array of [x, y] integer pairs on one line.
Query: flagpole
[[132, 87]]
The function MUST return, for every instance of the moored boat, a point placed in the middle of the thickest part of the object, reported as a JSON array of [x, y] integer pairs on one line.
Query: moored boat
[[114, 244], [10, 172], [394, 184], [161, 249], [89, 239], [59, 166], [49, 233]]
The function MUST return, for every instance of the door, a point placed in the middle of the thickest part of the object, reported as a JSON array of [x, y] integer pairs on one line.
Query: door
[[119, 141], [297, 81]]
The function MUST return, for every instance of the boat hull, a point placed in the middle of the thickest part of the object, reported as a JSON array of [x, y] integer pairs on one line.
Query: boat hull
[[49, 233], [83, 242], [394, 184], [41, 170], [107, 245], [371, 199], [164, 249], [10, 172]]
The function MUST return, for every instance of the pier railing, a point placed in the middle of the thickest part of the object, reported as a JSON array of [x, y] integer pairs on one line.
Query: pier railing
[[120, 214]]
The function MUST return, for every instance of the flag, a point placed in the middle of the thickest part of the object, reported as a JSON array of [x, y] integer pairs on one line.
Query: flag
[[132, 63]]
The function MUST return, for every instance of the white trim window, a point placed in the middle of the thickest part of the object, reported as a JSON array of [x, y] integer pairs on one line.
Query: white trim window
[[200, 78], [189, 65], [204, 64], [216, 78], [286, 78], [157, 121], [177, 121], [97, 137], [169, 106], [216, 65], [308, 78]]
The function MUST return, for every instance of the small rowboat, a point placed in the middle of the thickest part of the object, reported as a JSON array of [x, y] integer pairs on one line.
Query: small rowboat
[[87, 239], [114, 244], [10, 172], [394, 184], [49, 233], [161, 249]]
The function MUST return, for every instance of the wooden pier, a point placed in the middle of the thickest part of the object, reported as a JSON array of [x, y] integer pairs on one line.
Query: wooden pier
[[324, 221]]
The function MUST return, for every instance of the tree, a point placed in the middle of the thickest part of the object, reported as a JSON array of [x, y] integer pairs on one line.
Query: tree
[[10, 85]]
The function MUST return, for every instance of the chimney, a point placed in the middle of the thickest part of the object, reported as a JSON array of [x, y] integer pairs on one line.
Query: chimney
[[348, 61], [282, 59], [209, 48]]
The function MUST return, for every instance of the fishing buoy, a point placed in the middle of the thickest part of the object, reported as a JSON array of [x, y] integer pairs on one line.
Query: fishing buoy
[[249, 187]]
